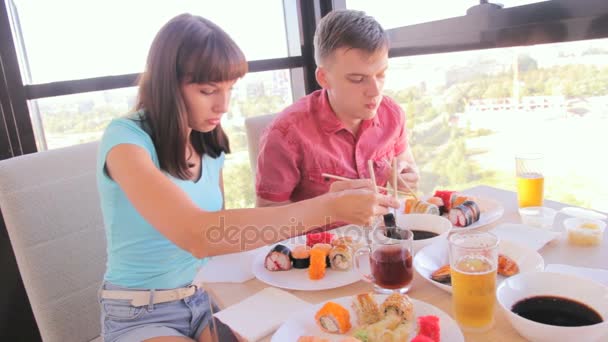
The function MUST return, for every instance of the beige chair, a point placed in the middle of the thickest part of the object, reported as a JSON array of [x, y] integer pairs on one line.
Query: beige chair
[[51, 209], [255, 127]]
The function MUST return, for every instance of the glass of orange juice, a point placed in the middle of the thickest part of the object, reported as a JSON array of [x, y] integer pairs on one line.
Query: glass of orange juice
[[473, 264], [530, 179]]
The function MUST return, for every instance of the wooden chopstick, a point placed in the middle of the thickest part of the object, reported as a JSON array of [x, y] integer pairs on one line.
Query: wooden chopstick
[[395, 176], [372, 175], [408, 188], [330, 176]]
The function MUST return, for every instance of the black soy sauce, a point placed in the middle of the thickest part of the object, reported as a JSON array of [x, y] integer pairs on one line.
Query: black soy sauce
[[423, 234], [558, 311]]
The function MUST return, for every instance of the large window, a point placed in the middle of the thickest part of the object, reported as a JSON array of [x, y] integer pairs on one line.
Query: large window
[[470, 112], [397, 13], [70, 39]]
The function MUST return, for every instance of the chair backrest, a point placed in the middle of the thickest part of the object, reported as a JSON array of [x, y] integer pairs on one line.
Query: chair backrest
[[51, 208], [255, 126]]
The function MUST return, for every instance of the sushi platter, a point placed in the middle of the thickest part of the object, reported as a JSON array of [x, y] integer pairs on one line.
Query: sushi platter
[[464, 211], [362, 317], [324, 262]]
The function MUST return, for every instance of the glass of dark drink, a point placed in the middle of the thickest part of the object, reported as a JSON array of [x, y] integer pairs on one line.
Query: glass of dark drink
[[390, 256]]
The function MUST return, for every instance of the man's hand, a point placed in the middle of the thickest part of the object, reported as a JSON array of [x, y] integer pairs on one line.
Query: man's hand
[[409, 175]]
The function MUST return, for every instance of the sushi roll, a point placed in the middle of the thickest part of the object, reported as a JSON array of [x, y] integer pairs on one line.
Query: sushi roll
[[316, 269], [366, 309], [439, 203], [447, 197], [400, 305], [409, 205], [333, 318], [300, 256], [278, 259], [460, 199], [463, 215], [343, 241], [340, 258], [475, 208], [423, 207], [322, 237]]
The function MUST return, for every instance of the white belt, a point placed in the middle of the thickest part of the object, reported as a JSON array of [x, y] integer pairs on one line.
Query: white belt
[[141, 298]]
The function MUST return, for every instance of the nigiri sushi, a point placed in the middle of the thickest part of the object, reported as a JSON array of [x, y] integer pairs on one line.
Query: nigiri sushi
[[300, 255]]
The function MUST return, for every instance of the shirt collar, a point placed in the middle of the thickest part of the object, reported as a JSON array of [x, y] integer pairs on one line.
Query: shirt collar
[[329, 121]]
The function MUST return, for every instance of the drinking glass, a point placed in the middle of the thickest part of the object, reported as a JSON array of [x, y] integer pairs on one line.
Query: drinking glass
[[473, 262], [390, 257], [530, 179]]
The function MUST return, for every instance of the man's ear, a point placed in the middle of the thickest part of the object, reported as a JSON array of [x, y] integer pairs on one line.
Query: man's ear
[[321, 76]]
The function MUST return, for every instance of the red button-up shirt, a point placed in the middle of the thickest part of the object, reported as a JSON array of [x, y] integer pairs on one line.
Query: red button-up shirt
[[307, 139]]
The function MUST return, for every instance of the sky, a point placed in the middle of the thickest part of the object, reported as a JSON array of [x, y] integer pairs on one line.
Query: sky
[[75, 39], [69, 39]]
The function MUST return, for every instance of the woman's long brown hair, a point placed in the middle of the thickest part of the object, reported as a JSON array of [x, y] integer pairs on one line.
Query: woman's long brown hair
[[187, 49]]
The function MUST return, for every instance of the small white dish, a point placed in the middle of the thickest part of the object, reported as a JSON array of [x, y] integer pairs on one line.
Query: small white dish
[[584, 231], [434, 256], [527, 285], [540, 217], [425, 222]]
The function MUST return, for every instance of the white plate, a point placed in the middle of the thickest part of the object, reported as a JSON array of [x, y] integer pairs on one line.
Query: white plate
[[431, 257], [297, 279], [491, 211], [302, 323]]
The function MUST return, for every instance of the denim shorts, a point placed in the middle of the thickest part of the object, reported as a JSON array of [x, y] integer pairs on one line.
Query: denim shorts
[[188, 317]]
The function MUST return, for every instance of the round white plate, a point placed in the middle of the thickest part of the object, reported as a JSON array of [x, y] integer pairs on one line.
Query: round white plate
[[297, 279], [303, 323], [491, 211], [433, 256]]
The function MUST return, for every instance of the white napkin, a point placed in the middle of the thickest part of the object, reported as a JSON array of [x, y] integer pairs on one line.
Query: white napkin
[[534, 238], [228, 268], [261, 314], [596, 274]]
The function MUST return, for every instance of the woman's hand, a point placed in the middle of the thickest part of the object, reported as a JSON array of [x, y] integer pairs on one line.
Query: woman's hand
[[351, 184], [359, 206]]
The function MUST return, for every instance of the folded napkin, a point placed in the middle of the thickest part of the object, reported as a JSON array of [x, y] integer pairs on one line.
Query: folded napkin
[[596, 274], [261, 314], [522, 234], [228, 268]]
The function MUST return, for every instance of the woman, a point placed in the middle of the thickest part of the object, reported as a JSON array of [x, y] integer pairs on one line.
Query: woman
[[161, 189]]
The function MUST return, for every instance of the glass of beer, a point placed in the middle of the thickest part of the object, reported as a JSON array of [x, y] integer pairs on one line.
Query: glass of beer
[[530, 179], [473, 262], [390, 258]]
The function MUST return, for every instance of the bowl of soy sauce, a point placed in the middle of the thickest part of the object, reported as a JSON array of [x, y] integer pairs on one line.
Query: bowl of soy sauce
[[427, 228], [546, 306]]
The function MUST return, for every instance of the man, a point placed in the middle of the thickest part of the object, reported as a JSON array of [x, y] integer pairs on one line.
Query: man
[[336, 130]]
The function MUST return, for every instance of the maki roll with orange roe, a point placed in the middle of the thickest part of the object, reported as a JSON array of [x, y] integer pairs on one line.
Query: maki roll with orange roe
[[300, 255], [333, 318]]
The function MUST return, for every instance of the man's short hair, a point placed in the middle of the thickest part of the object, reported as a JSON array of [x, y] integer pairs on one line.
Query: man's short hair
[[350, 29]]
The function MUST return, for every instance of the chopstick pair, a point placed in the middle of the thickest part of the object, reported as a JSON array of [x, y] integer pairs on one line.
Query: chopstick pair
[[330, 176]]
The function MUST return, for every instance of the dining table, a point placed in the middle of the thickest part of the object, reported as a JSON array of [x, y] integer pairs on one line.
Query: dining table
[[558, 251]]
